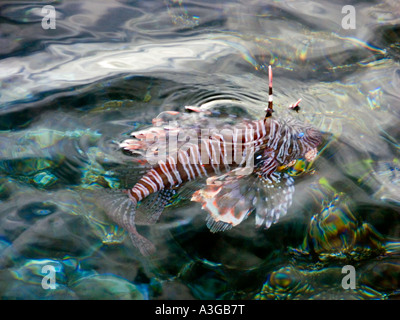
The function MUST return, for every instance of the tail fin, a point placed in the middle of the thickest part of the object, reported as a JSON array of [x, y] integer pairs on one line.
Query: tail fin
[[122, 209]]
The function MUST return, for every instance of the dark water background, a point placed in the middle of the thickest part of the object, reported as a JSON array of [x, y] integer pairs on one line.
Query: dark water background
[[109, 67]]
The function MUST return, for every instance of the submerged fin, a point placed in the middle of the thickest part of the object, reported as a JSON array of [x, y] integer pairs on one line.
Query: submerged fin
[[151, 207], [122, 209], [228, 200], [186, 191], [216, 226], [277, 194]]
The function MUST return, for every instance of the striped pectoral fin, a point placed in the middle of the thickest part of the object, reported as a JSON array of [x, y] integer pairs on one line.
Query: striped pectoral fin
[[275, 195], [227, 199], [150, 208], [122, 209]]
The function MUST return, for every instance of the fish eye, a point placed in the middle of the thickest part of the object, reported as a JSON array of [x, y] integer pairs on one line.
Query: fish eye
[[300, 135]]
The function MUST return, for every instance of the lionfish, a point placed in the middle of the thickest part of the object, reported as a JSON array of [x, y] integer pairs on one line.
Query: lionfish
[[241, 167]]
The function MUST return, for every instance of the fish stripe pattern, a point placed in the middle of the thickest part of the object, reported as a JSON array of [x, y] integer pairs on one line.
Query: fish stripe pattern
[[239, 165]]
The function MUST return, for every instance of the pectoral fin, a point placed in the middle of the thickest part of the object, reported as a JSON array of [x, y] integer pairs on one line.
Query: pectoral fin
[[275, 197], [151, 207], [228, 199]]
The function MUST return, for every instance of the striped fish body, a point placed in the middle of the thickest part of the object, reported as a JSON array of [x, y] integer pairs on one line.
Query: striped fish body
[[223, 158], [261, 145], [240, 164], [210, 156]]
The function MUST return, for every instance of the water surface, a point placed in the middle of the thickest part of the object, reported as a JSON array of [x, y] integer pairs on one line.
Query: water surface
[[68, 94]]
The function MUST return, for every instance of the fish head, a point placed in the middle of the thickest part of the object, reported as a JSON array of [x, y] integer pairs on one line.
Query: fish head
[[310, 142], [298, 140]]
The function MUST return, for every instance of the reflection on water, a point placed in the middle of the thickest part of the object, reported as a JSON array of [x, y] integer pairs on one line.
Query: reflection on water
[[69, 95]]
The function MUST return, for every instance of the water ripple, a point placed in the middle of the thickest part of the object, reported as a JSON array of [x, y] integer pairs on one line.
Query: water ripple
[[68, 95]]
